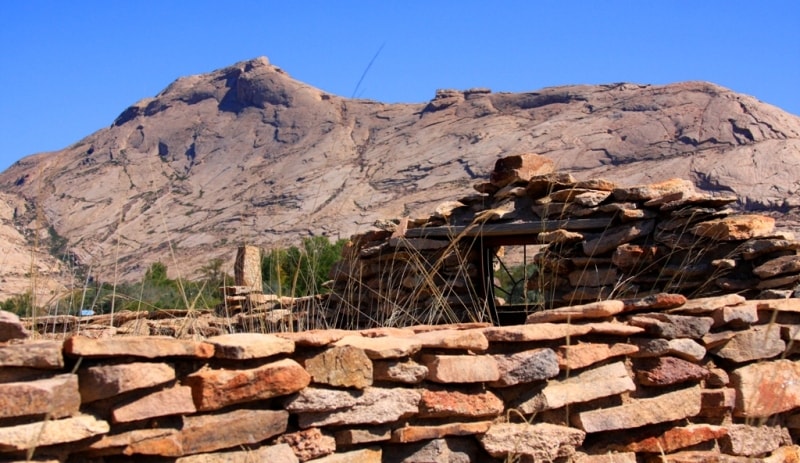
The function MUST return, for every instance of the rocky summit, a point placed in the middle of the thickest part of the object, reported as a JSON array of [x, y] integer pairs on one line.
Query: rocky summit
[[246, 154]]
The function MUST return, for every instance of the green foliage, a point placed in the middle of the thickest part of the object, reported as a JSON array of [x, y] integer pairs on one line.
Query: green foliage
[[20, 304], [155, 291], [511, 282], [300, 271]]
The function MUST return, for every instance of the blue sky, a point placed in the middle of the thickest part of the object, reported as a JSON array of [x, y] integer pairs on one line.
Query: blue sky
[[69, 68]]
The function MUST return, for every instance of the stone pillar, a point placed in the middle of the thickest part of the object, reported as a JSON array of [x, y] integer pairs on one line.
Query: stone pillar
[[247, 270]]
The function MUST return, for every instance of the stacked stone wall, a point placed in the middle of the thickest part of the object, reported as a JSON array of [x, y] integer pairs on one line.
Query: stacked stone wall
[[597, 240], [658, 379]]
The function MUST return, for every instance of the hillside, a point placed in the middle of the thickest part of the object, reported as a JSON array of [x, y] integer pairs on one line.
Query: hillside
[[246, 154]]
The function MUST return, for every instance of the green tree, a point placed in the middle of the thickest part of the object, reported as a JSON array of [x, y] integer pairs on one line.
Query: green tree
[[300, 271]]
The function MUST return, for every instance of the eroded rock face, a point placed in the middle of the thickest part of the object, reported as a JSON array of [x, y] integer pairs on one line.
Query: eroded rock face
[[307, 160]]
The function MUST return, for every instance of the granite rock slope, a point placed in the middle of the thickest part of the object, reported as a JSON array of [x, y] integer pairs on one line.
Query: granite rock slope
[[246, 154]]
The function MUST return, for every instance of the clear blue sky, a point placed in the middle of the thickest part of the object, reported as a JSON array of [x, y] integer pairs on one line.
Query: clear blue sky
[[70, 67]]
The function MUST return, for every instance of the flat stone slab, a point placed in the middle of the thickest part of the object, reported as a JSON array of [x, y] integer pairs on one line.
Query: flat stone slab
[[372, 406], [575, 356], [604, 381], [175, 400], [383, 347], [38, 354], [214, 389], [535, 332], [472, 340], [272, 453], [241, 346], [758, 343], [55, 397], [526, 367], [601, 309], [417, 433], [51, 432], [342, 366], [11, 327], [104, 381], [137, 346], [541, 441], [764, 389], [458, 404], [671, 406], [461, 368]]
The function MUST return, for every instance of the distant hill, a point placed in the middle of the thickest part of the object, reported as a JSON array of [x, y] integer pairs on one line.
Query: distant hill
[[246, 154]]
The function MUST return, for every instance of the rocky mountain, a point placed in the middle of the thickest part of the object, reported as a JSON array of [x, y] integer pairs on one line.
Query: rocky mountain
[[246, 154]]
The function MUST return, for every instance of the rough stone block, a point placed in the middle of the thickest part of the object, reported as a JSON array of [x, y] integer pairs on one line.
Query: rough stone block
[[280, 453], [137, 346], [665, 371], [241, 346], [458, 404], [371, 406], [471, 340], [51, 432], [461, 368], [671, 406], [214, 389], [601, 309], [206, 433], [526, 367], [735, 227], [11, 327], [55, 397], [309, 443], [418, 433], [541, 441], [371, 455], [175, 400], [677, 438], [38, 354], [753, 440], [344, 366], [247, 268], [535, 332], [582, 355], [589, 385], [673, 326], [382, 347], [104, 381], [757, 343], [766, 388], [407, 371]]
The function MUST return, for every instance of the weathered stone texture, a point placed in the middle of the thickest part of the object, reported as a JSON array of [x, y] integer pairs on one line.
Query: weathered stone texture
[[766, 388], [11, 327], [344, 366], [214, 389], [137, 346], [526, 367], [247, 269], [461, 369], [309, 443], [104, 381], [55, 397], [175, 400], [242, 346], [51, 432], [372, 406], [449, 404], [640, 412], [37, 354], [542, 441]]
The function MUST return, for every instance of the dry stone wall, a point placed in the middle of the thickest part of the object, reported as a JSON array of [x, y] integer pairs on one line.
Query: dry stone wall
[[659, 378], [598, 241]]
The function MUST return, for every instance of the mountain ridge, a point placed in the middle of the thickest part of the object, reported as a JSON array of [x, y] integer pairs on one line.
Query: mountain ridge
[[246, 154]]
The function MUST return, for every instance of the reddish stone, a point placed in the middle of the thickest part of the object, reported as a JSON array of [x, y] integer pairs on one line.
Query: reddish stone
[[407, 434], [205, 433], [520, 167], [171, 401], [55, 397], [660, 301], [309, 443], [671, 406], [461, 368], [766, 388], [383, 347], [214, 389], [665, 371], [39, 354], [445, 404], [137, 346], [582, 355], [601, 309], [104, 381], [717, 402], [249, 345], [472, 340], [735, 227], [677, 438], [535, 332]]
